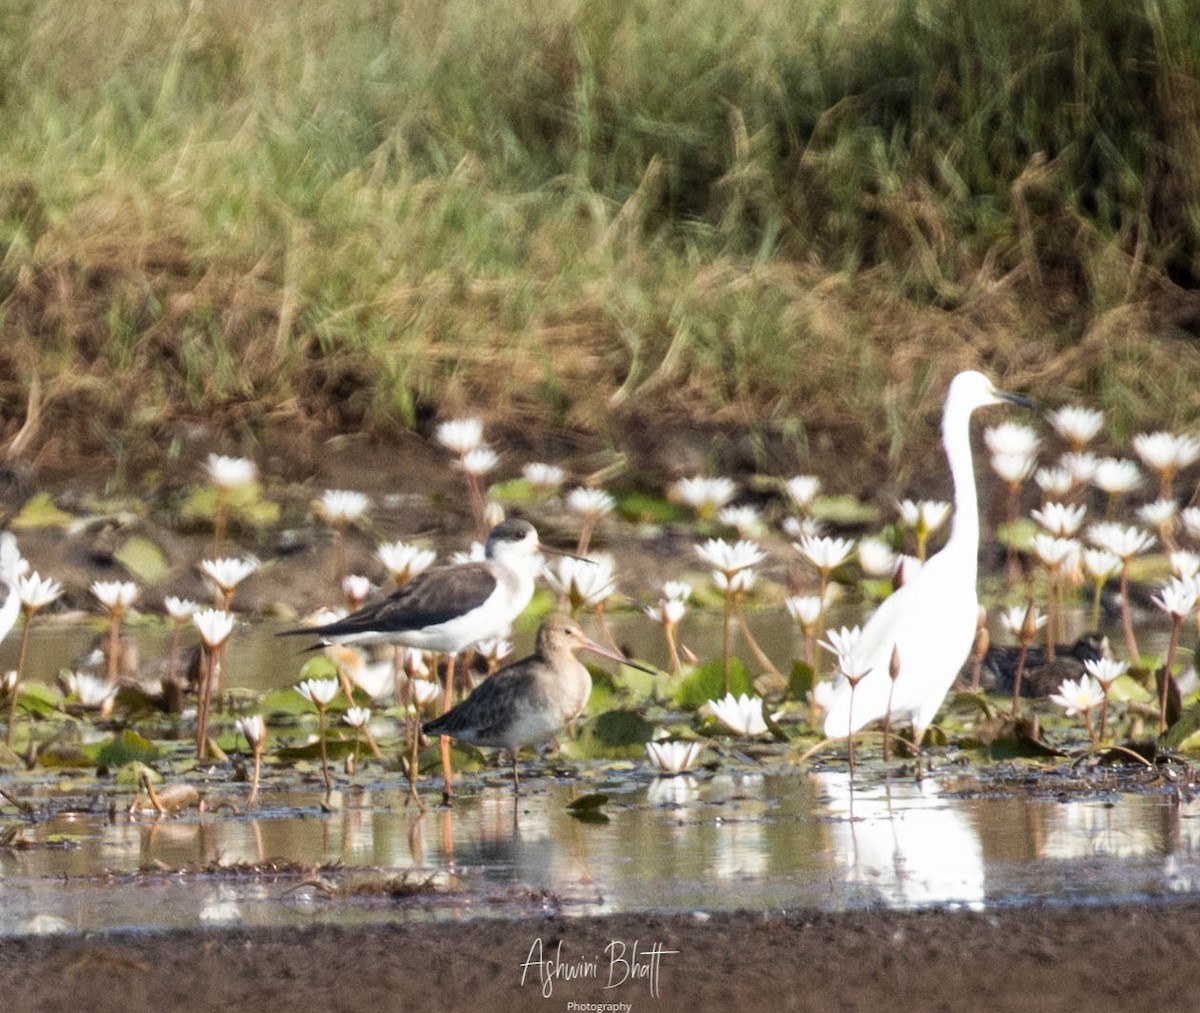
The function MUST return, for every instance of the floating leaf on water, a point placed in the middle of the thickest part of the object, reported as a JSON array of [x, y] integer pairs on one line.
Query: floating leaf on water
[[512, 491], [1184, 734], [144, 560], [131, 774], [642, 508], [1017, 534], [126, 747], [40, 511], [615, 733], [706, 682], [847, 511], [40, 699], [800, 682], [587, 809], [590, 801]]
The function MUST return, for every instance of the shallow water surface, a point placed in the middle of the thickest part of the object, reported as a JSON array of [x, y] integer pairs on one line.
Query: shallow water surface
[[740, 833], [705, 842]]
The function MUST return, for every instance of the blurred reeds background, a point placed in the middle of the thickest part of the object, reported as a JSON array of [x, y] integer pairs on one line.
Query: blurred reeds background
[[781, 217]]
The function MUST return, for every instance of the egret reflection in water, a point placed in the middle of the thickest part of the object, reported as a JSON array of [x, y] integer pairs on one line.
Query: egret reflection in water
[[901, 843]]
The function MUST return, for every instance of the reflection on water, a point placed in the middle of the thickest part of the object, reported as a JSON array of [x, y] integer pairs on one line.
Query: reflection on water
[[902, 845], [734, 839], [741, 837]]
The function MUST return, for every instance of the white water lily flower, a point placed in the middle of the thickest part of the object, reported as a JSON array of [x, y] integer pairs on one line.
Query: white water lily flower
[[1191, 521], [1053, 481], [214, 626], [677, 590], [180, 609], [926, 514], [805, 609], [1100, 564], [1012, 439], [90, 690], [1013, 468], [825, 554], [1158, 513], [479, 461], [735, 583], [728, 557], [704, 495], [37, 592], [460, 436], [1122, 541], [253, 730], [844, 641], [1105, 671], [404, 560], [876, 557], [1075, 424], [585, 583], [1055, 552], [669, 611], [1184, 565], [1014, 618], [230, 472], [357, 717], [797, 528], [745, 519], [1115, 476], [590, 502], [115, 595], [1078, 697], [1060, 519], [742, 715], [673, 757], [227, 573], [1166, 451], [1177, 597], [424, 692], [494, 648], [544, 477], [356, 587], [342, 506], [802, 490], [1081, 465], [319, 692]]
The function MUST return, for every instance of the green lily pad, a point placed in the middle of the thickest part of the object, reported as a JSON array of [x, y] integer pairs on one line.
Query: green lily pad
[[143, 559], [126, 747], [513, 491], [642, 508], [847, 511], [613, 734], [40, 699], [40, 511], [800, 681], [706, 682]]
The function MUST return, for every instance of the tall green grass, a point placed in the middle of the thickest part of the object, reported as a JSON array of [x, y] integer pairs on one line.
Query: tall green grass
[[785, 215]]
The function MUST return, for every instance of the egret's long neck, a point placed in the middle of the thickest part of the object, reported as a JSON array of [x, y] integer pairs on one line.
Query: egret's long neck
[[956, 436]]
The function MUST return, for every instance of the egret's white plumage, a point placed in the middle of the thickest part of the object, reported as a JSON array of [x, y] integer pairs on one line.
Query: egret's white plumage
[[10, 561], [931, 620]]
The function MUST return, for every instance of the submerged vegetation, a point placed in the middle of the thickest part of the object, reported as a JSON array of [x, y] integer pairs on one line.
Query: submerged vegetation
[[793, 219]]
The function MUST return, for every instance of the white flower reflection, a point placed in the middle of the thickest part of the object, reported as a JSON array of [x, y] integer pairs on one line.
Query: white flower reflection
[[902, 845]]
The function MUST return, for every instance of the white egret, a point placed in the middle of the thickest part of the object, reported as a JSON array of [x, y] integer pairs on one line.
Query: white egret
[[930, 621]]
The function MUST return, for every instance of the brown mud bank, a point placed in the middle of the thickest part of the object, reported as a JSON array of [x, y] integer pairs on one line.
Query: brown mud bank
[[1029, 959]]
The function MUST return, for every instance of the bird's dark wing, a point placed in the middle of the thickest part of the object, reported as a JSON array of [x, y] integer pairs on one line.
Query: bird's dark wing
[[486, 712], [434, 597]]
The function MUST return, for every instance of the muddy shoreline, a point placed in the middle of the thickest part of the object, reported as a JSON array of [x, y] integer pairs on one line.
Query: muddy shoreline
[[1124, 956]]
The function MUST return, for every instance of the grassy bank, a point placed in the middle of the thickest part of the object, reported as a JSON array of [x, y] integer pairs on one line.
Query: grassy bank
[[792, 219]]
